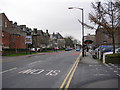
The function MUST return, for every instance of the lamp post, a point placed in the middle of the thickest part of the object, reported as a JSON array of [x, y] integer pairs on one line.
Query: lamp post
[[82, 27]]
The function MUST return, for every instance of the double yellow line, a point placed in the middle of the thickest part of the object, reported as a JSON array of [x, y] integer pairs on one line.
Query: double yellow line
[[70, 74]]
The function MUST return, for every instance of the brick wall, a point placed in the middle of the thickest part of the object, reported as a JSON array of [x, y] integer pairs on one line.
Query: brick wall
[[117, 37], [6, 39], [14, 37]]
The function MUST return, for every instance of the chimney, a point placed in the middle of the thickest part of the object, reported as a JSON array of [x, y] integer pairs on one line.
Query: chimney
[[35, 30], [15, 23], [46, 31], [11, 22]]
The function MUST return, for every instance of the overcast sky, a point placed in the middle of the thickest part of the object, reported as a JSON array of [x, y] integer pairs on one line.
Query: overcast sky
[[53, 15]]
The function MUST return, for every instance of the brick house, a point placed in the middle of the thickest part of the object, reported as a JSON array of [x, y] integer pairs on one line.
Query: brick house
[[13, 37], [104, 39]]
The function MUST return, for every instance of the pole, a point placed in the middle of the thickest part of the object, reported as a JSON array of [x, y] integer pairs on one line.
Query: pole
[[82, 33], [83, 46], [113, 37]]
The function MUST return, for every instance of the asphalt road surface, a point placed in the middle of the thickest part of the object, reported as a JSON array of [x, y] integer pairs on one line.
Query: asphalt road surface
[[57, 70]]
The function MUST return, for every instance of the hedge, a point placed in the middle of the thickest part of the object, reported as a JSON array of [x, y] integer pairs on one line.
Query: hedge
[[13, 51], [113, 58]]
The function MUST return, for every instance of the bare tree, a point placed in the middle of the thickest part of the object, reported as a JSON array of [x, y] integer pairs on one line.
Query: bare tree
[[106, 17], [69, 41]]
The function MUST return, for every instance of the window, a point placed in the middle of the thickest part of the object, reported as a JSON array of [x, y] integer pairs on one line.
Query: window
[[5, 24], [2, 34]]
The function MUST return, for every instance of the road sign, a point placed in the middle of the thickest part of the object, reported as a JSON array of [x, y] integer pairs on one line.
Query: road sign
[[28, 40]]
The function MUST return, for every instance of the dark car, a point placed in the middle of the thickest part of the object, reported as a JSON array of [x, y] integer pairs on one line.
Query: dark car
[[107, 49], [68, 49], [100, 50], [78, 49]]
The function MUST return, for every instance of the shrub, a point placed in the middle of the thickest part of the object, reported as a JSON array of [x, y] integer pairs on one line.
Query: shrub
[[113, 58]]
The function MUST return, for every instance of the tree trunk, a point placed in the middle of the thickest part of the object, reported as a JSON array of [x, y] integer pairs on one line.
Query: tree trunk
[[113, 31], [113, 42]]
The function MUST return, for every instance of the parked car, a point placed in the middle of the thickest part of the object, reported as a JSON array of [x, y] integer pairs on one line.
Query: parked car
[[108, 49], [97, 52], [33, 49], [117, 50], [68, 49], [77, 49]]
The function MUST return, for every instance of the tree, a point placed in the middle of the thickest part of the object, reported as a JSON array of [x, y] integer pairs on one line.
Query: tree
[[106, 17], [69, 41]]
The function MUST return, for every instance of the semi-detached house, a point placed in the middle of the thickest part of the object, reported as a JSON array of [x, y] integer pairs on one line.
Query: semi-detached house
[[13, 36]]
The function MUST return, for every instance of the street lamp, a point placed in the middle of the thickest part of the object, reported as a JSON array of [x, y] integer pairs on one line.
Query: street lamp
[[82, 27]]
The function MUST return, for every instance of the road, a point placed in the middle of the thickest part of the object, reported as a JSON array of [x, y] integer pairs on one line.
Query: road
[[56, 70]]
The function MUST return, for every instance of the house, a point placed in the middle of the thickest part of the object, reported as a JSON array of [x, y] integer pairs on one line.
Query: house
[[57, 40], [104, 39], [13, 37], [40, 38]]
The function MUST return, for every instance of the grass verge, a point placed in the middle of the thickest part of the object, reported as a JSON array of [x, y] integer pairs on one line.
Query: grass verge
[[20, 54]]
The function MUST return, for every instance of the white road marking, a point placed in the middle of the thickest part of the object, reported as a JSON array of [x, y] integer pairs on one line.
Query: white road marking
[[24, 71], [32, 71], [39, 71], [118, 75], [111, 68], [99, 74], [90, 65], [113, 65], [53, 72], [95, 65], [49, 72], [8, 70], [107, 65], [34, 62], [115, 71]]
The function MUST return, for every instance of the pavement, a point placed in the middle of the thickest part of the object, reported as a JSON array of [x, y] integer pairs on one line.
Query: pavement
[[92, 73]]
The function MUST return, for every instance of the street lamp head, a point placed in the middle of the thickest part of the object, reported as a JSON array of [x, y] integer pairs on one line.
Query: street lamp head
[[70, 8], [75, 8]]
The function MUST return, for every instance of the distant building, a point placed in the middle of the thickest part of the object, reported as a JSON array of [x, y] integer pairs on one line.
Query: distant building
[[57, 40], [90, 40]]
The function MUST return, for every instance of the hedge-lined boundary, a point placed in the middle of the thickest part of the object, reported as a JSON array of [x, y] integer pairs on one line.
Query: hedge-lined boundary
[[9, 52], [13, 51], [113, 58]]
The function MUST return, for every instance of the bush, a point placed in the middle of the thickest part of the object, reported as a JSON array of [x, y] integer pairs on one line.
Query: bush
[[113, 58]]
